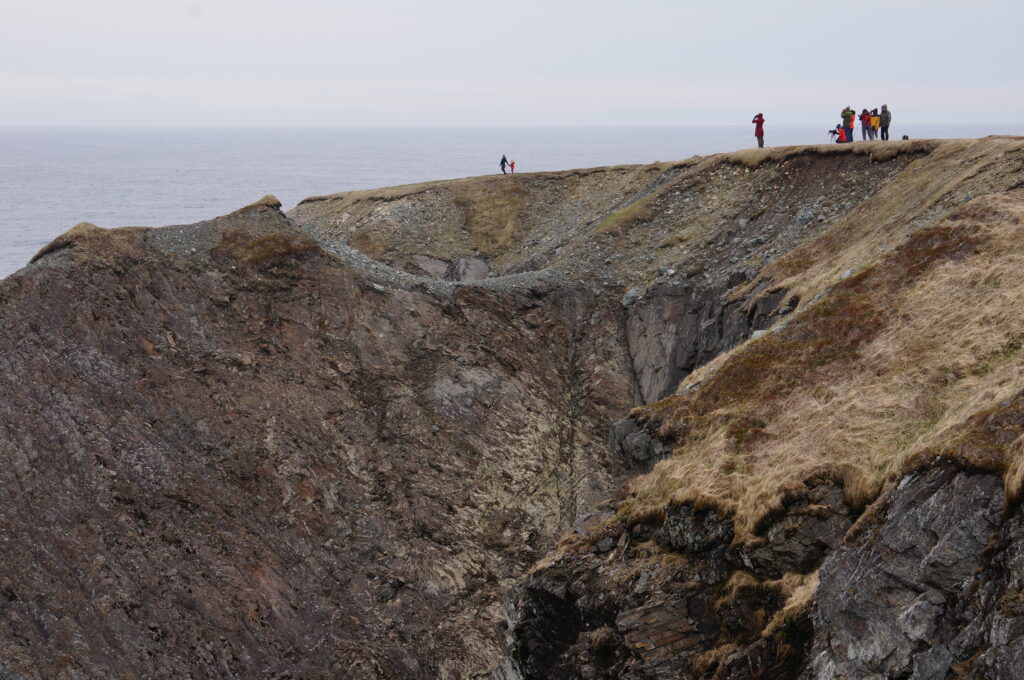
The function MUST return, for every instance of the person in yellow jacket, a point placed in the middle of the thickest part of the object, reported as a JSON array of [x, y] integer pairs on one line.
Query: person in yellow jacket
[[876, 122]]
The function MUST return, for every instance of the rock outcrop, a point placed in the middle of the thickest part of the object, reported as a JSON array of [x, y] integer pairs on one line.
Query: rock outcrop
[[229, 453], [837, 498], [676, 328], [927, 585], [930, 587], [674, 597]]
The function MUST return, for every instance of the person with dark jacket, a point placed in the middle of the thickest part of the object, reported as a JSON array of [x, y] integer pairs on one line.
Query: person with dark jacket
[[884, 118], [759, 129], [502, 164], [849, 115]]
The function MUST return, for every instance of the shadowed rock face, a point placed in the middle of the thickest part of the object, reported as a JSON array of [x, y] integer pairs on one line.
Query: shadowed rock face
[[251, 460], [927, 585], [623, 608], [930, 587], [676, 328]]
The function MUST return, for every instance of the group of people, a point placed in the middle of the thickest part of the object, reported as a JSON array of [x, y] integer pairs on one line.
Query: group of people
[[873, 124], [506, 163]]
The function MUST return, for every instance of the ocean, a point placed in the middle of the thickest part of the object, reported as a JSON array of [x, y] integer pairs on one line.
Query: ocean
[[54, 178]]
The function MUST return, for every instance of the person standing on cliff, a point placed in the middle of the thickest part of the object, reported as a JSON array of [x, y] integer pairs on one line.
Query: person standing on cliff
[[865, 125], [512, 167], [884, 118], [759, 129], [848, 115], [502, 164]]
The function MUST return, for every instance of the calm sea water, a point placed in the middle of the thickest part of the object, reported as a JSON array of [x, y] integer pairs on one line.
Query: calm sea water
[[51, 179]]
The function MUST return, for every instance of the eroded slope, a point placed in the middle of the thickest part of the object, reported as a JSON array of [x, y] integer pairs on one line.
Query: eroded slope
[[841, 499], [230, 454]]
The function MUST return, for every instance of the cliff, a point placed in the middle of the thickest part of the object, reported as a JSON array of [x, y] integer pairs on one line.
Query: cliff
[[842, 495], [326, 444]]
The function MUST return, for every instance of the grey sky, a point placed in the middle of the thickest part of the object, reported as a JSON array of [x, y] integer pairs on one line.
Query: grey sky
[[518, 62]]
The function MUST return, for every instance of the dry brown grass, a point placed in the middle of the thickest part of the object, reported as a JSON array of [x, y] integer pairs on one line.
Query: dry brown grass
[[624, 219], [799, 590], [88, 241], [752, 158], [895, 360], [244, 246], [863, 236], [491, 212]]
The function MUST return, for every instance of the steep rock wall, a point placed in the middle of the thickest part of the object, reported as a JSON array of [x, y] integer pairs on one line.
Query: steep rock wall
[[927, 585], [228, 453], [674, 329]]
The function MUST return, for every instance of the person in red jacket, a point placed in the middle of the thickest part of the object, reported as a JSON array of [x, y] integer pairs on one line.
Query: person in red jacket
[[865, 124], [759, 129]]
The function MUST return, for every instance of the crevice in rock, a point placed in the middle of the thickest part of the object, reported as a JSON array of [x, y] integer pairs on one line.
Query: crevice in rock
[[675, 328]]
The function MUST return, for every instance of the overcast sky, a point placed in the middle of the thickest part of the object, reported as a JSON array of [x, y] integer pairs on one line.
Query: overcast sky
[[517, 62]]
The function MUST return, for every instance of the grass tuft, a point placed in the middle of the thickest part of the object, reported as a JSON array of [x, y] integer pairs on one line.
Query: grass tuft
[[622, 220]]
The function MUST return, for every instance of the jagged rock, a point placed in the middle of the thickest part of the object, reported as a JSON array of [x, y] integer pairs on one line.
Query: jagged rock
[[228, 450], [887, 604], [805, 216], [693, 530], [811, 521], [631, 296], [248, 448], [636, 448], [677, 327]]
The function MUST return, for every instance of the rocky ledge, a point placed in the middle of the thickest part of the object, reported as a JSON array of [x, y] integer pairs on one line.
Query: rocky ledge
[[927, 584]]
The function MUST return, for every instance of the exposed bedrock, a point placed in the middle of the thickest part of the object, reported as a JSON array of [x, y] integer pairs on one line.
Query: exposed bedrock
[[929, 587], [677, 597], [674, 328], [259, 447], [229, 453], [929, 583], [637, 448]]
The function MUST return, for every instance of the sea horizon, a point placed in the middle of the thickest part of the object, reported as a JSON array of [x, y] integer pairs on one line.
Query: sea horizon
[[53, 177]]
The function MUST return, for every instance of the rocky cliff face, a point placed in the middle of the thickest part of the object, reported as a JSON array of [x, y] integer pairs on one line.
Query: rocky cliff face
[[927, 585], [702, 569], [325, 444], [229, 453]]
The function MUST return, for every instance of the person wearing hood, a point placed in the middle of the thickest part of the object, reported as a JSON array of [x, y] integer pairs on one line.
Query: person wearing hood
[[884, 118], [502, 164], [758, 122]]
